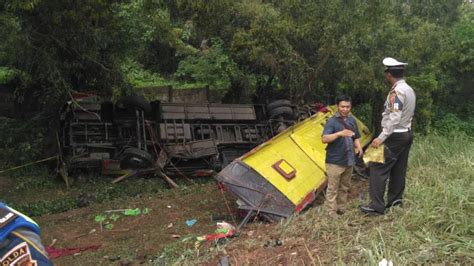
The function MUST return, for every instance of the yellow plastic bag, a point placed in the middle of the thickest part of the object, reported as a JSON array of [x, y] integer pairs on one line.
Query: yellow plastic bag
[[374, 155]]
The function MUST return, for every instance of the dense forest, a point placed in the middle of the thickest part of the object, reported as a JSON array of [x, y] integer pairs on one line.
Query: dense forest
[[249, 51]]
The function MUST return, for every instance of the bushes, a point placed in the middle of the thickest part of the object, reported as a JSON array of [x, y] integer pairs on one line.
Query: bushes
[[21, 141], [450, 124]]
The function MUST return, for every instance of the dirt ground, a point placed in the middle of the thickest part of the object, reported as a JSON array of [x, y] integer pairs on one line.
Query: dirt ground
[[136, 239], [141, 239]]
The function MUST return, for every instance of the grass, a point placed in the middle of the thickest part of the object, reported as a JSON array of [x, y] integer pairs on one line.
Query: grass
[[434, 226], [51, 196]]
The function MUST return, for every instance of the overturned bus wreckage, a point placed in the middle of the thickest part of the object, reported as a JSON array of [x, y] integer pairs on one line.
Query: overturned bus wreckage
[[134, 136], [283, 175]]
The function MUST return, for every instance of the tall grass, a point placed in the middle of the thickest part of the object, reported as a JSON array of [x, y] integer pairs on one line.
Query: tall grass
[[434, 226]]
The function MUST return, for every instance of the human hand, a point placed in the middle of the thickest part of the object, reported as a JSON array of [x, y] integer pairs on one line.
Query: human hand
[[376, 142], [345, 133], [359, 152]]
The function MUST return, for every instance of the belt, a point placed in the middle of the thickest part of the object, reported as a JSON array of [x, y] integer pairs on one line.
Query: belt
[[400, 130]]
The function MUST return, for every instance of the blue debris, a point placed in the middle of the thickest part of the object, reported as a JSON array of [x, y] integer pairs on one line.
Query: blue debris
[[191, 222]]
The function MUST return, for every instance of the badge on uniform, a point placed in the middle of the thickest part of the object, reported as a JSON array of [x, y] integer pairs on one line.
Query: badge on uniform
[[395, 102], [19, 255], [6, 216]]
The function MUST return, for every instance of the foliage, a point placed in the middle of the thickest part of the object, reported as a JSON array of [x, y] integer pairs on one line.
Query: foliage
[[456, 65], [106, 220], [140, 77], [61, 47], [450, 124], [6, 75], [364, 113], [21, 141], [210, 66], [257, 51]]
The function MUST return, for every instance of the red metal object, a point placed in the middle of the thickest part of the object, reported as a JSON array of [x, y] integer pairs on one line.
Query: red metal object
[[203, 173], [219, 235], [307, 200], [320, 107], [221, 186], [81, 95]]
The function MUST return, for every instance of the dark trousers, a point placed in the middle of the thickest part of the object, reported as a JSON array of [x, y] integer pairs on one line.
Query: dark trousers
[[397, 148]]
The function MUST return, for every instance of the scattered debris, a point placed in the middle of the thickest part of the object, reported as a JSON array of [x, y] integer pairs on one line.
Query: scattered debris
[[384, 262], [114, 258], [219, 234], [118, 210], [225, 225], [81, 235], [215, 218], [53, 242], [273, 242], [187, 239], [223, 231], [54, 253], [175, 236], [223, 261], [250, 233], [170, 225], [160, 261], [191, 222], [120, 230]]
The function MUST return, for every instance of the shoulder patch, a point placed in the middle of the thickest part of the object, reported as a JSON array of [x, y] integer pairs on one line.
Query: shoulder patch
[[19, 255], [395, 101], [397, 104], [6, 216]]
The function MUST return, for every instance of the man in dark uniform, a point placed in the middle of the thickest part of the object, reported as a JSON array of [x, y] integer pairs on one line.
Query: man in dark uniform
[[397, 138]]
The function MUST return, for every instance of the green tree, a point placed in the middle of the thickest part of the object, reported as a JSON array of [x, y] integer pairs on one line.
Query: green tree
[[210, 66], [62, 46]]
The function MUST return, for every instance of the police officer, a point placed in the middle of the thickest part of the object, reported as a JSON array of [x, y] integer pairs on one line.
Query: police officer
[[397, 138], [20, 242]]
